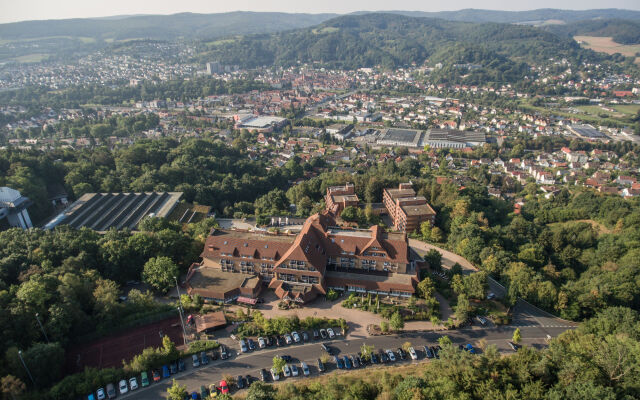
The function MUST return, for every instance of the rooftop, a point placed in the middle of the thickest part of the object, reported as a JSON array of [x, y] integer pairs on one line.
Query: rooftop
[[422, 209], [214, 280]]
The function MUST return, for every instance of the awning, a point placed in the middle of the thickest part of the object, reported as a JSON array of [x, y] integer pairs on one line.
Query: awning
[[247, 300]]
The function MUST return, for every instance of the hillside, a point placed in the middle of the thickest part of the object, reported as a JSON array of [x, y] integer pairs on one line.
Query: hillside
[[393, 40], [621, 31], [530, 16], [162, 27]]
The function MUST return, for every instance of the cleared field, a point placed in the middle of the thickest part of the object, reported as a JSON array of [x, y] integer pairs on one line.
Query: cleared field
[[607, 45]]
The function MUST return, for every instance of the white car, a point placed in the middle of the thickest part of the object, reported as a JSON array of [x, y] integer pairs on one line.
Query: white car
[[305, 369], [482, 320], [262, 343], [122, 387], [392, 357], [294, 370], [133, 383], [331, 333], [413, 354], [275, 376], [101, 394], [287, 338], [296, 337], [286, 371]]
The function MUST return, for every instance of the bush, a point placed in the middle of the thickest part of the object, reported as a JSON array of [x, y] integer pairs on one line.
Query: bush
[[332, 295], [78, 385], [202, 345]]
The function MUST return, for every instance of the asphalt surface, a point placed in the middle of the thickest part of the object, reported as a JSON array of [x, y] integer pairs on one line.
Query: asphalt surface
[[251, 363]]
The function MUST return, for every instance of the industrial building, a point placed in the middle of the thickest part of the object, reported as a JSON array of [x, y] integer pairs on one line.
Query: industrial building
[[102, 211], [587, 132], [436, 138], [401, 137], [13, 209]]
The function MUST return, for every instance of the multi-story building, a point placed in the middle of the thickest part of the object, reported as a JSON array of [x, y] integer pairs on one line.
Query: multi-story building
[[340, 197], [407, 211], [13, 209], [299, 267]]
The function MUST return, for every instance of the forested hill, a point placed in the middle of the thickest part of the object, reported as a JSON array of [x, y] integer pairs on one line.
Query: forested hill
[[162, 27], [393, 40], [529, 16], [622, 31]]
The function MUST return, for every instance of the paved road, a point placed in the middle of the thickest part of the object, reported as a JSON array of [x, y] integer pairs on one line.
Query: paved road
[[249, 364]]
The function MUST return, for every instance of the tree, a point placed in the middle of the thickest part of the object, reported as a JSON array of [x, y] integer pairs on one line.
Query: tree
[[444, 340], [278, 364], [434, 258], [384, 326], [426, 288], [44, 360], [261, 391], [406, 346], [12, 387], [159, 273], [366, 351], [177, 391], [462, 308], [396, 322], [517, 336]]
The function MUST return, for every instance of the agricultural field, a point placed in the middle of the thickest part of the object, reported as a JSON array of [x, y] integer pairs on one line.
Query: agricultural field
[[607, 45]]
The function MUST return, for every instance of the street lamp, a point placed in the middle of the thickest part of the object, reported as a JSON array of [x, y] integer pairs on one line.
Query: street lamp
[[25, 367], [178, 290], [184, 330], [42, 328]]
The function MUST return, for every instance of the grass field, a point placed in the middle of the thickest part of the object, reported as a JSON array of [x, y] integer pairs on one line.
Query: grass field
[[629, 109], [607, 45], [31, 58]]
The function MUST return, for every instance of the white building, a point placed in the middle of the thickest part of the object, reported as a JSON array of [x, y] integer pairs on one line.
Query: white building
[[13, 209]]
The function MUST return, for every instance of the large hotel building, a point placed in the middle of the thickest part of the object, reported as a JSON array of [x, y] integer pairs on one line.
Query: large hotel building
[[237, 264]]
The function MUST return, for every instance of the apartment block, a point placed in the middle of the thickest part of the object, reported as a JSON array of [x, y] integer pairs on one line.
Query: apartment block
[[340, 197], [407, 211]]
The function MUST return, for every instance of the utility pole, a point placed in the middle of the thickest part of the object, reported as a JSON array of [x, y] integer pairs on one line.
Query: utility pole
[[184, 331], [25, 367], [179, 296], [42, 328]]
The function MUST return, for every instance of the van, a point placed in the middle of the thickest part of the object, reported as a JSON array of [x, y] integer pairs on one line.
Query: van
[[111, 391]]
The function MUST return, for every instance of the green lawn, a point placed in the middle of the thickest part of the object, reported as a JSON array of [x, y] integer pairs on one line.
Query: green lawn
[[629, 109], [31, 58]]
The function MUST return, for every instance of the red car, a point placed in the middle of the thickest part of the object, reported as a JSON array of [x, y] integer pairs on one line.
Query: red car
[[156, 375], [224, 388]]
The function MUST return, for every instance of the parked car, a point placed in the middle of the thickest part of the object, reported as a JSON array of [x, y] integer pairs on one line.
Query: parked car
[[305, 369], [316, 334], [354, 362], [111, 391], [374, 358], [224, 354], [274, 375], [383, 356], [320, 365], [263, 375], [133, 383], [144, 379], [165, 372], [213, 355], [326, 348], [428, 353], [347, 362], [305, 336], [173, 368], [491, 295], [251, 344], [469, 348], [294, 370], [286, 371], [101, 394], [287, 338], [279, 341], [204, 393], [436, 350], [338, 362], [412, 353], [482, 320], [331, 333], [401, 353], [391, 355], [286, 358], [90, 396], [224, 388], [296, 337], [243, 346], [156, 375], [180, 365], [271, 341], [513, 346], [240, 382], [123, 387], [262, 343], [323, 333], [204, 359]]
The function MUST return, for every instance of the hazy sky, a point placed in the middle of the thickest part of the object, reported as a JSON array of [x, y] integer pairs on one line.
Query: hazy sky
[[20, 10]]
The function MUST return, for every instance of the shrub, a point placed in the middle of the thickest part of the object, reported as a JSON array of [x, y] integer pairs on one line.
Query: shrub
[[332, 295], [202, 345]]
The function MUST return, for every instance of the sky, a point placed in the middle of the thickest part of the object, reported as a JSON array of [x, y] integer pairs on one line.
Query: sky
[[21, 10]]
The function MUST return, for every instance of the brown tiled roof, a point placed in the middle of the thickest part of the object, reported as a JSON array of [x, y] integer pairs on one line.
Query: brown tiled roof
[[210, 320]]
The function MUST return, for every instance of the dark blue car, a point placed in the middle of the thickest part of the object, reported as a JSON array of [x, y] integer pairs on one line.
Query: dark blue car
[[338, 362], [347, 362], [165, 372]]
